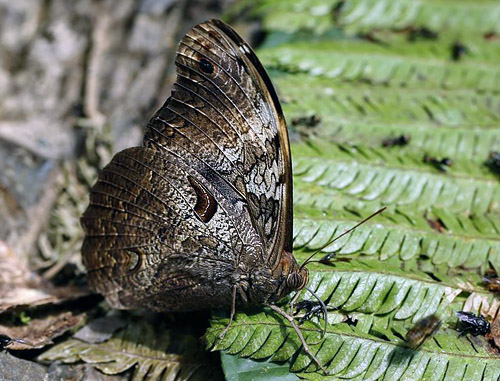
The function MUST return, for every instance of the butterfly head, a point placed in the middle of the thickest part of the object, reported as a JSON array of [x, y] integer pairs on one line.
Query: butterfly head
[[292, 276], [270, 285]]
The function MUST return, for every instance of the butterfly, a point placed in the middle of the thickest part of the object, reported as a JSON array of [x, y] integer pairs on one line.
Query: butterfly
[[200, 215]]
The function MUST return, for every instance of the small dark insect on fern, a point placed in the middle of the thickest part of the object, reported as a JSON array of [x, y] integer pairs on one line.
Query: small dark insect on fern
[[470, 323], [311, 308], [492, 284], [401, 140], [458, 50], [440, 164], [493, 162], [5, 341]]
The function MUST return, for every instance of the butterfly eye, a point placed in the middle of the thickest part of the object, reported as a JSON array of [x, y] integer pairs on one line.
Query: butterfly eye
[[294, 281], [206, 66]]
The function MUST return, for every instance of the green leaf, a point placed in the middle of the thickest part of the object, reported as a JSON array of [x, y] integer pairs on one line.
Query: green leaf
[[348, 352], [354, 102], [379, 65], [241, 369], [355, 16]]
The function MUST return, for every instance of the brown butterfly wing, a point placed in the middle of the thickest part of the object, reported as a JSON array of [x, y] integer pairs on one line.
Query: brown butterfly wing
[[225, 116], [148, 242], [175, 224]]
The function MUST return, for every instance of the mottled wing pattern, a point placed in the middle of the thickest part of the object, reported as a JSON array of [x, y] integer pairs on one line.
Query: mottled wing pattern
[[145, 245], [225, 118], [173, 225]]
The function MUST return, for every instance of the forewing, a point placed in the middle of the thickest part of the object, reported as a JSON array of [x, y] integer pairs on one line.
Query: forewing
[[225, 120], [156, 237]]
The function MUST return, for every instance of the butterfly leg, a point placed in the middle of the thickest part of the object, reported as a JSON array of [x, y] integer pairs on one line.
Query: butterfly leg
[[233, 311], [299, 333]]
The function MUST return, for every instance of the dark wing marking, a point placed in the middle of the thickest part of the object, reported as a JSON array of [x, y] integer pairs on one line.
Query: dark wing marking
[[206, 206]]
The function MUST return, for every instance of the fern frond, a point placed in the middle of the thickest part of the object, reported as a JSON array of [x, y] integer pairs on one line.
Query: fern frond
[[462, 143], [460, 17], [377, 174], [143, 348], [370, 351], [311, 15], [355, 16], [378, 289], [306, 94], [364, 62], [468, 213]]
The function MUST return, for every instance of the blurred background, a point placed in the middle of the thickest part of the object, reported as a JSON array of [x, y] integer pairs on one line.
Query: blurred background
[[389, 103]]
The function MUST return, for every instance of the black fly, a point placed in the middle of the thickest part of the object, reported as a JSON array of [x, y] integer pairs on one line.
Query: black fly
[[493, 162], [401, 140], [6, 341], [470, 323], [312, 308]]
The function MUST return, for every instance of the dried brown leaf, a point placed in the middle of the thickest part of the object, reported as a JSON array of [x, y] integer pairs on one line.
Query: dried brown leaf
[[40, 331], [495, 332], [20, 287]]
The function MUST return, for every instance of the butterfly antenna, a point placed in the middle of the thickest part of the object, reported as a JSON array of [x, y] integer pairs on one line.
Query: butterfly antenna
[[323, 308], [343, 234]]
